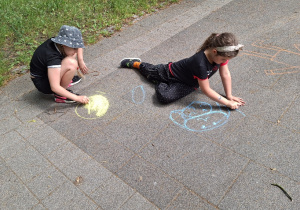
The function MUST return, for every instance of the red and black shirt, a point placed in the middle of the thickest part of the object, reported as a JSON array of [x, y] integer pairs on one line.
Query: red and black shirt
[[189, 70]]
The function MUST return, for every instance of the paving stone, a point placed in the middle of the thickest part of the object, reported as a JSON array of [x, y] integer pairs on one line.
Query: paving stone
[[73, 198], [31, 127], [3, 99], [23, 199], [290, 119], [92, 174], [202, 166], [253, 190], [106, 151], [131, 123], [12, 144], [45, 183], [11, 107], [9, 182], [9, 124], [268, 144], [31, 108], [39, 207], [189, 200], [150, 182], [257, 65], [56, 111], [46, 140], [15, 88], [13, 193], [271, 104], [65, 154], [113, 194], [137, 202], [28, 164]]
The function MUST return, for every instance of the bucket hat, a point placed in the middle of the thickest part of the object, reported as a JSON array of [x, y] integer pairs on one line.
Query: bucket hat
[[69, 36]]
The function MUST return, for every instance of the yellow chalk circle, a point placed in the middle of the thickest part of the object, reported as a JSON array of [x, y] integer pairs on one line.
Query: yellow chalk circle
[[97, 107]]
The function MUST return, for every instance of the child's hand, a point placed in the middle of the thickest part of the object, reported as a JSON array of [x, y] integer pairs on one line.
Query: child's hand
[[83, 99], [233, 105], [237, 99], [83, 68]]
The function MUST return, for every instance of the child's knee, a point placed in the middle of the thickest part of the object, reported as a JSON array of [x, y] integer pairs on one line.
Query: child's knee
[[164, 100], [69, 63], [163, 95]]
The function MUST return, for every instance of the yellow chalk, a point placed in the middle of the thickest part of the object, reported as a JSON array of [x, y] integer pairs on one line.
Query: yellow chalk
[[97, 107]]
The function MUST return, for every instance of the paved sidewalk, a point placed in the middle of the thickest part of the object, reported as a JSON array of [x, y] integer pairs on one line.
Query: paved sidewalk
[[126, 151]]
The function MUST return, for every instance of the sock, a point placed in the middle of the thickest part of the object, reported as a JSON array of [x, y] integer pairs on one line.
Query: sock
[[136, 65]]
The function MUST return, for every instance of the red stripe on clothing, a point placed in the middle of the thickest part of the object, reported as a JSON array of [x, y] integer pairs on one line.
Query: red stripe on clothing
[[170, 69], [199, 78], [223, 64]]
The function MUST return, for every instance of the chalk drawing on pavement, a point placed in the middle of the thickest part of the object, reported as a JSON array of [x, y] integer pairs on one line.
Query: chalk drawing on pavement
[[200, 116], [276, 55], [96, 108], [138, 94]]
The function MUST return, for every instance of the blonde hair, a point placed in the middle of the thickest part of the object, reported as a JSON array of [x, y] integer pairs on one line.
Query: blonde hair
[[220, 40]]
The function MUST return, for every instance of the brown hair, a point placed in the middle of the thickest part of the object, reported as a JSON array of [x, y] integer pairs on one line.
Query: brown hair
[[220, 40], [61, 49]]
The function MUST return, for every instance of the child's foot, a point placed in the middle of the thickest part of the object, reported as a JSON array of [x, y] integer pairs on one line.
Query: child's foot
[[61, 99], [76, 79], [128, 62]]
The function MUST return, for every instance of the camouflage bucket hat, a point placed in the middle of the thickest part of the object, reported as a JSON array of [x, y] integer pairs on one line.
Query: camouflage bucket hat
[[69, 36]]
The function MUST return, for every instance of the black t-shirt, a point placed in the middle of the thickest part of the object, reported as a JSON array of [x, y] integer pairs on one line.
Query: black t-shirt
[[45, 56], [189, 70]]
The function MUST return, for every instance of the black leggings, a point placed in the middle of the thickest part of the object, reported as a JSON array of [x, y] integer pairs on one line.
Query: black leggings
[[168, 89]]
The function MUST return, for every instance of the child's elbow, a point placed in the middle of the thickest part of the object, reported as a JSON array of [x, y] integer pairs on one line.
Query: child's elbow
[[206, 93], [205, 90]]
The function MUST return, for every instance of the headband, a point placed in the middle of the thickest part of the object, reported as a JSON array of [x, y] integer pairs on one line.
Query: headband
[[229, 48]]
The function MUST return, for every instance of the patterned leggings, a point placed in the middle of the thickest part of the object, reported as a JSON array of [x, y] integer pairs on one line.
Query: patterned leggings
[[168, 89]]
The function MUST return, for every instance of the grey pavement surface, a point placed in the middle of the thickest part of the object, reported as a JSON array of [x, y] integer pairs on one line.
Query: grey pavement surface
[[126, 151]]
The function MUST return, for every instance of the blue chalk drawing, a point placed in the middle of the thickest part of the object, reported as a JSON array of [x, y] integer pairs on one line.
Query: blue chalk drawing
[[199, 116], [241, 112], [134, 93]]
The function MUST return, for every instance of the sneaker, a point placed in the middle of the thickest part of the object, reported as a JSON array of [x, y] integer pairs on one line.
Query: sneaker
[[128, 62], [61, 99], [76, 79]]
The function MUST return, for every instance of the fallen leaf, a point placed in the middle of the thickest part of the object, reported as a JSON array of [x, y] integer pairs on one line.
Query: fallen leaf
[[78, 181]]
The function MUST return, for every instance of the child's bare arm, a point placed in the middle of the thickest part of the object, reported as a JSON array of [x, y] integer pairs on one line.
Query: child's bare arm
[[54, 80], [83, 68], [226, 80], [205, 88]]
